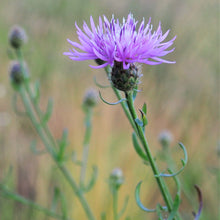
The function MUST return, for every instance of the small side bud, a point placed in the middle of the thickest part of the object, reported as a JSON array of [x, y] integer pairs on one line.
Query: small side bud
[[17, 37], [165, 138], [16, 73], [90, 99], [116, 178]]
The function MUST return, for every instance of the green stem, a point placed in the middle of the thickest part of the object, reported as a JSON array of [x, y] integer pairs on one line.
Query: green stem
[[50, 149], [123, 104], [125, 108], [32, 97], [21, 199], [115, 204], [86, 145], [77, 191], [164, 190]]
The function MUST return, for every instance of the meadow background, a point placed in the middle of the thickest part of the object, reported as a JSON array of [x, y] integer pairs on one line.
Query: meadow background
[[182, 98]]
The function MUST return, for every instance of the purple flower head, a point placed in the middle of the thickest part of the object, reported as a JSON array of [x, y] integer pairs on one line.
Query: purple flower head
[[124, 42]]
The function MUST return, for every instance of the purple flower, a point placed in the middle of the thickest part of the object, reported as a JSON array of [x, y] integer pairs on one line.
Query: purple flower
[[121, 42]]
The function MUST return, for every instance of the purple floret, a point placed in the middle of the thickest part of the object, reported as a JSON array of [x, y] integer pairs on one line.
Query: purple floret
[[125, 43]]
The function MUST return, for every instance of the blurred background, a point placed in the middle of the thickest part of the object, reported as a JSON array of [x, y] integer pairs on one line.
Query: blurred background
[[182, 98]]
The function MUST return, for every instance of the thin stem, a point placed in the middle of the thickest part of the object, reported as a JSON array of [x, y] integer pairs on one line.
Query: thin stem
[[115, 204], [32, 97], [125, 108], [86, 145], [30, 203], [165, 193], [123, 104], [50, 149], [77, 191]]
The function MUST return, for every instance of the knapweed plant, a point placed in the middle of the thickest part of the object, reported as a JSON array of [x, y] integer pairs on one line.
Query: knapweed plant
[[118, 48]]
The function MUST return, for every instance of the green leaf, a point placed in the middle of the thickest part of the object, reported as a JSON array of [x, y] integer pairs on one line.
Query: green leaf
[[48, 112], [137, 198], [110, 103], [63, 142], [37, 92], [159, 210], [74, 159], [138, 148], [139, 122], [92, 180], [144, 118], [175, 208], [54, 202], [144, 108], [135, 92], [184, 162], [99, 85], [124, 207]]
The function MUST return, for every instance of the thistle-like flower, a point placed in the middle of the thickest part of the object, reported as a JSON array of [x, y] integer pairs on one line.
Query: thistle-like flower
[[125, 43], [121, 45]]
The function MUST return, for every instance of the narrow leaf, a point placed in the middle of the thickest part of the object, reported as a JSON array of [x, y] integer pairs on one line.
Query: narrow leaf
[[62, 145], [74, 159], [48, 112], [111, 103], [54, 202], [159, 210], [175, 208], [99, 85], [144, 108], [137, 197], [92, 180], [144, 118], [137, 147], [139, 122], [135, 92], [37, 92], [124, 207], [184, 162], [199, 192]]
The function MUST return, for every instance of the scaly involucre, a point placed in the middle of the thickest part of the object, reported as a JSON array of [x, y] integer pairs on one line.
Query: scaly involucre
[[126, 43]]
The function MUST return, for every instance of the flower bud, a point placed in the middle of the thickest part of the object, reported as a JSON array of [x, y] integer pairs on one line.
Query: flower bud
[[165, 138], [16, 73], [124, 79], [17, 37], [116, 178], [90, 99]]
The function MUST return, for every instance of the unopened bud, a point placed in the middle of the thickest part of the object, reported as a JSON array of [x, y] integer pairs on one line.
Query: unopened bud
[[90, 99], [16, 73], [116, 178], [17, 37], [165, 138], [125, 79]]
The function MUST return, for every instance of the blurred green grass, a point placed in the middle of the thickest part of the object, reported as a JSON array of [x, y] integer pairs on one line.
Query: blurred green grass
[[183, 98]]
